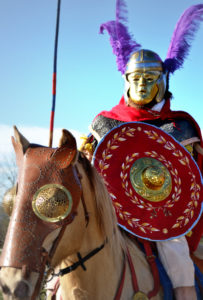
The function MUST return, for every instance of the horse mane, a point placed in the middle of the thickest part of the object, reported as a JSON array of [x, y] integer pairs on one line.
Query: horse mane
[[106, 215]]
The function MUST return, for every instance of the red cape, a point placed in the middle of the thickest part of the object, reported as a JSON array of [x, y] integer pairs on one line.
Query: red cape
[[125, 113]]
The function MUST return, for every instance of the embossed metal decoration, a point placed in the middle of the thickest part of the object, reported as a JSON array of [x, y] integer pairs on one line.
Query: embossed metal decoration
[[140, 296], [150, 179], [154, 183], [9, 200], [52, 203]]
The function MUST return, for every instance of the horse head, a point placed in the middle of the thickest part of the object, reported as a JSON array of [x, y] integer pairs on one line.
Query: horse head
[[48, 193], [63, 220]]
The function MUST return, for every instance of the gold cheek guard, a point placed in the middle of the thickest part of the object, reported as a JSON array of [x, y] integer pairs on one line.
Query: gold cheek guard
[[52, 203], [9, 200]]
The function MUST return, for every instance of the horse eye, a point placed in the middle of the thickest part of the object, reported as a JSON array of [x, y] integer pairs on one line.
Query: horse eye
[[9, 199], [52, 203]]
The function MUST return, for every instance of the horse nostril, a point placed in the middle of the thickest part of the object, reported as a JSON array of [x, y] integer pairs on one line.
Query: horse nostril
[[22, 290], [5, 290]]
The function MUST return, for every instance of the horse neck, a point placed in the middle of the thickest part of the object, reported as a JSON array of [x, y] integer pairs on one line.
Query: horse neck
[[100, 280], [103, 275], [103, 271]]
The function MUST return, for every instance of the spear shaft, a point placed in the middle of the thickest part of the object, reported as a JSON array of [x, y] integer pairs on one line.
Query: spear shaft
[[54, 76]]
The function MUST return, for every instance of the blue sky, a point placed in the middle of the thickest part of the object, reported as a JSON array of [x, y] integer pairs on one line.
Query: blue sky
[[88, 80]]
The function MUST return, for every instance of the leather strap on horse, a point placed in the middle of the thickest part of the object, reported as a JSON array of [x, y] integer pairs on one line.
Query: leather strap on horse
[[56, 242], [120, 288], [151, 260], [39, 282], [56, 287], [46, 259], [133, 275], [80, 262], [74, 266], [87, 218]]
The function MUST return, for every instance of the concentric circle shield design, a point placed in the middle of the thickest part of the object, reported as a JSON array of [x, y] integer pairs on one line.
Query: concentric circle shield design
[[154, 183]]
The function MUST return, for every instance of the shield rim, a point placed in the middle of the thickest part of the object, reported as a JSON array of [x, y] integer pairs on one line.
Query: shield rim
[[184, 149]]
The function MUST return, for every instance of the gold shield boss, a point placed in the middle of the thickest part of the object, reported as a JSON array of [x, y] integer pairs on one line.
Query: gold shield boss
[[145, 79]]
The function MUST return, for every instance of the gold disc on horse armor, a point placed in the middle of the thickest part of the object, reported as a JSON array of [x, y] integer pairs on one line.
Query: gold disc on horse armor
[[140, 296], [52, 203]]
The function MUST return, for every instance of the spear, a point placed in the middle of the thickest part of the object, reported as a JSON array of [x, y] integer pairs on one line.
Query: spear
[[54, 76]]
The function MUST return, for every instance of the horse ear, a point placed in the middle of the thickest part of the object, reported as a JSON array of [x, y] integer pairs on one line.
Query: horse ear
[[66, 154], [20, 144], [20, 139]]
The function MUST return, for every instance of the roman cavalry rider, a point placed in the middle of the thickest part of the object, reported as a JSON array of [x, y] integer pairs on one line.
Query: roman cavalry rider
[[147, 99]]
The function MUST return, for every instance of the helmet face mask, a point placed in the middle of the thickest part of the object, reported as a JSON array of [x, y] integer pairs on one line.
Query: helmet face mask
[[145, 79], [143, 86]]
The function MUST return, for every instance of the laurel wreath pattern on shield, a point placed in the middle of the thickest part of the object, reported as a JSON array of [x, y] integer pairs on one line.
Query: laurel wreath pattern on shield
[[140, 203], [104, 164]]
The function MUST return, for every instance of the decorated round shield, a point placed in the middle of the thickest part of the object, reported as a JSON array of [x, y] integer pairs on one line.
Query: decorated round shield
[[154, 183]]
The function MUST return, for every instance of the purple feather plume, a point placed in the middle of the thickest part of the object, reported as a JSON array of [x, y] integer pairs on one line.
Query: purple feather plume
[[121, 11], [121, 41], [183, 35]]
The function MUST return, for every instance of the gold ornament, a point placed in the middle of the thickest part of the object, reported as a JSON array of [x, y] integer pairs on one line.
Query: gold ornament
[[9, 200], [151, 179], [52, 203], [140, 296]]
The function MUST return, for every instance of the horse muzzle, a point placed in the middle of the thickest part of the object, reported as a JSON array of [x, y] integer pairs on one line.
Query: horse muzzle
[[14, 286]]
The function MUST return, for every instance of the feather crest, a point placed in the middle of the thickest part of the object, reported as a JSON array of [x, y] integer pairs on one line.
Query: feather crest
[[183, 35], [121, 11], [121, 41]]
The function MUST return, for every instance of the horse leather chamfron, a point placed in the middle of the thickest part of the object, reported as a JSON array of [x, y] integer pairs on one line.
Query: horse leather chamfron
[[154, 183], [37, 167]]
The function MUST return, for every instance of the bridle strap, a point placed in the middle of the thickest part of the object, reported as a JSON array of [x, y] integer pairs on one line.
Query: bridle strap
[[39, 281], [71, 268], [57, 240], [80, 262], [83, 199], [87, 218], [46, 259]]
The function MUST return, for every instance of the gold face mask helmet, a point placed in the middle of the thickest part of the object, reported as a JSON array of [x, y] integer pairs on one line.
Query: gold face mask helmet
[[145, 79], [145, 65]]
